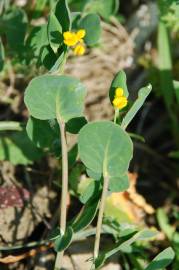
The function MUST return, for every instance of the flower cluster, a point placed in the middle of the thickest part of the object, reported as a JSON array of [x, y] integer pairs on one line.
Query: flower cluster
[[75, 40], [119, 101]]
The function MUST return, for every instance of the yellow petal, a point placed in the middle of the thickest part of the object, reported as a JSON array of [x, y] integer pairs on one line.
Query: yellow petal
[[81, 33], [67, 35], [119, 92], [120, 102], [70, 38], [79, 50]]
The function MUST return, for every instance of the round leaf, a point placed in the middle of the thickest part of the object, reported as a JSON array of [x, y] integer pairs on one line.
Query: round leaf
[[119, 184], [45, 92], [105, 148], [91, 23]]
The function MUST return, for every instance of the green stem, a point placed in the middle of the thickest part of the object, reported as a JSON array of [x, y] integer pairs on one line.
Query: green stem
[[64, 193], [100, 216], [116, 115]]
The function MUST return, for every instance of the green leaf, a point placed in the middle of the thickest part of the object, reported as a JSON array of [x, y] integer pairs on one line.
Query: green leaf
[[164, 224], [18, 149], [105, 148], [90, 190], [174, 154], [62, 13], [2, 55], [14, 23], [75, 124], [142, 95], [119, 184], [119, 80], [162, 260], [142, 235], [38, 39], [176, 87], [47, 57], [43, 133], [93, 175], [54, 30], [91, 23], [105, 8], [165, 64], [72, 155], [64, 240], [58, 65], [86, 215], [47, 94], [54, 234]]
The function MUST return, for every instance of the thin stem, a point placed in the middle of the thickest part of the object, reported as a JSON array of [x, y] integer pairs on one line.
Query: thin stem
[[116, 115], [64, 193], [100, 216]]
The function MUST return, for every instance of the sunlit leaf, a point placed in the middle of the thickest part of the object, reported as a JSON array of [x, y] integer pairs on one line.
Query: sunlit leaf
[[105, 148], [143, 94], [119, 80], [54, 30], [47, 94]]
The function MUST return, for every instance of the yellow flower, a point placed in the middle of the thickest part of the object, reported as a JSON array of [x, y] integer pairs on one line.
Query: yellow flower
[[119, 101], [70, 38], [79, 49], [75, 40], [81, 34], [119, 92]]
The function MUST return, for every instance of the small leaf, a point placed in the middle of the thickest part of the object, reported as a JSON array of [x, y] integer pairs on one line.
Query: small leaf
[[37, 39], [54, 234], [91, 189], [86, 215], [143, 94], [47, 57], [2, 55], [46, 92], [162, 260], [104, 8], [105, 148], [58, 63], [119, 184], [142, 235], [54, 30], [91, 23], [62, 13], [18, 149], [15, 24], [119, 80], [64, 240], [42, 133], [164, 224], [75, 124]]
